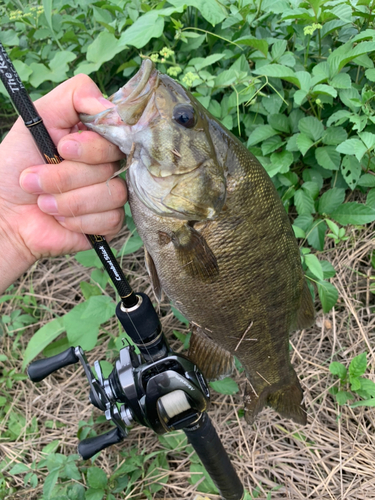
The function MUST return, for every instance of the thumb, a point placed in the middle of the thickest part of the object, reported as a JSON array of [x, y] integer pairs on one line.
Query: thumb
[[60, 108]]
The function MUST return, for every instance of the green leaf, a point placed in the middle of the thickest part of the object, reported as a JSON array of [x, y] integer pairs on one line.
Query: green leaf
[[368, 139], [312, 188], [334, 136], [338, 369], [47, 7], [279, 122], [89, 258], [353, 213], [202, 62], [343, 396], [260, 134], [370, 74], [269, 145], [94, 494], [339, 117], [328, 158], [314, 265], [99, 309], [324, 89], [351, 170], [341, 81], [367, 402], [89, 290], [179, 316], [328, 295], [367, 180], [304, 202], [331, 200], [316, 235], [282, 161], [351, 98], [278, 71], [355, 383], [304, 143], [328, 269], [19, 468], [352, 147], [225, 386], [311, 127], [103, 48], [358, 365], [211, 10], [96, 477], [368, 386], [272, 103], [345, 53], [305, 80], [370, 201], [50, 482], [298, 232], [300, 96], [205, 486], [131, 245], [256, 43], [83, 332], [148, 26], [41, 339]]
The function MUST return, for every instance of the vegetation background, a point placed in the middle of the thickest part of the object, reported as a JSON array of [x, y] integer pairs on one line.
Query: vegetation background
[[294, 80]]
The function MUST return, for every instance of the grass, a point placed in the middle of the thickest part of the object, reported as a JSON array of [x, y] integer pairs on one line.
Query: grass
[[331, 458]]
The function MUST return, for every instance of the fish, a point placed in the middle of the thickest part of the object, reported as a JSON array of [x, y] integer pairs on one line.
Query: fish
[[218, 240]]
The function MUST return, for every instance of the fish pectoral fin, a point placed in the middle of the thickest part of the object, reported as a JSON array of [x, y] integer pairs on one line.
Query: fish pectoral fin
[[155, 282], [194, 254], [213, 361]]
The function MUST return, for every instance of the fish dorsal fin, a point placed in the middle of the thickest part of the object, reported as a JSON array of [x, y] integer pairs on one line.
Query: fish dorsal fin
[[155, 283], [306, 313], [194, 254], [213, 361]]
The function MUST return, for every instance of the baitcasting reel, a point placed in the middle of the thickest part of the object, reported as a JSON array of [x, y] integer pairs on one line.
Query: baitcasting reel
[[156, 388]]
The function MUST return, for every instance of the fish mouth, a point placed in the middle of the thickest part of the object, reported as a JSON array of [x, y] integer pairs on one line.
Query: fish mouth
[[129, 101]]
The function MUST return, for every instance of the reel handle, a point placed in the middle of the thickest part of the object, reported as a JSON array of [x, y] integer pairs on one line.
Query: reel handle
[[89, 447], [40, 369]]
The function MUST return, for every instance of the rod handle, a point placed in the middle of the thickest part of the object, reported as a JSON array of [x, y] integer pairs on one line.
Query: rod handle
[[87, 448], [40, 369], [204, 439]]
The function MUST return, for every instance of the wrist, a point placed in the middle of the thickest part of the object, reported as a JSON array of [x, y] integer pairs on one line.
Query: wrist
[[16, 259]]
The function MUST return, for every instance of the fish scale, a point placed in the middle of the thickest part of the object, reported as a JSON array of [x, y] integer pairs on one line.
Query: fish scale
[[218, 241]]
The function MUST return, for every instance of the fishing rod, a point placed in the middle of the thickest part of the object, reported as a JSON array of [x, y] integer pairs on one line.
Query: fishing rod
[[156, 388]]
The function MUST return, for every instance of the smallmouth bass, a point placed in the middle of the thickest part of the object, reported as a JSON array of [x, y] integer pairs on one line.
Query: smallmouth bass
[[217, 238]]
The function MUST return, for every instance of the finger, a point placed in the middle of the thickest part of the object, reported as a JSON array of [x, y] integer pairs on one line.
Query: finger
[[106, 223], [65, 176], [87, 200], [88, 147], [60, 108]]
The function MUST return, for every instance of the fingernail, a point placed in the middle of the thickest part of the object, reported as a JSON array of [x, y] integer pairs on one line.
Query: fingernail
[[60, 218], [70, 150], [31, 183], [47, 203], [105, 102]]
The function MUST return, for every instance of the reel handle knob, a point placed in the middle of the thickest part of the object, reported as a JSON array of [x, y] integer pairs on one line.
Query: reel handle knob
[[40, 369], [87, 448]]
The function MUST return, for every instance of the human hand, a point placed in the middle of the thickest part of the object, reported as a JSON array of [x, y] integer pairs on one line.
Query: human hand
[[45, 210]]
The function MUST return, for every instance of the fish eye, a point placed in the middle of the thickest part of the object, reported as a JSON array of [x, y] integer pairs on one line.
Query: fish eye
[[184, 115]]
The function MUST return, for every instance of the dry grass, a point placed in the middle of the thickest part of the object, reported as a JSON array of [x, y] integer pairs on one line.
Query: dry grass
[[333, 457]]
